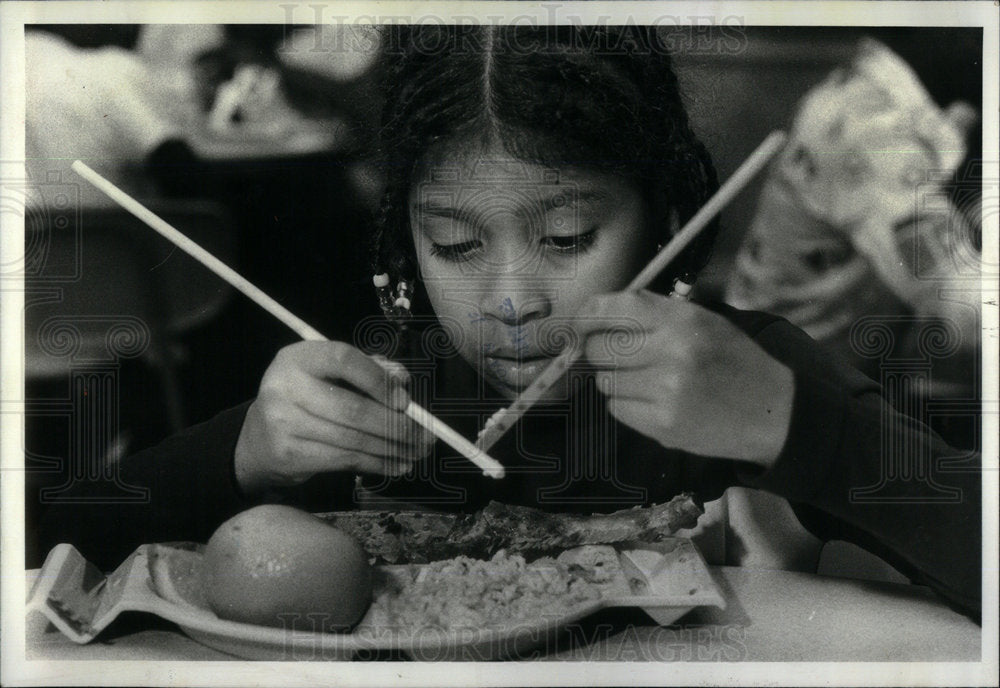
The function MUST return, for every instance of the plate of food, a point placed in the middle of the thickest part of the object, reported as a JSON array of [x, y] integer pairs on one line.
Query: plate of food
[[415, 585]]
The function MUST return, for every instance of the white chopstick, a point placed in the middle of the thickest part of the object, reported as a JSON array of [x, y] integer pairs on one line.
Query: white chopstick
[[504, 419], [488, 464]]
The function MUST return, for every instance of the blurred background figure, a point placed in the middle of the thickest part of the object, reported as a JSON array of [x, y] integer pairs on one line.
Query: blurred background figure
[[271, 125], [223, 92], [107, 106], [857, 226]]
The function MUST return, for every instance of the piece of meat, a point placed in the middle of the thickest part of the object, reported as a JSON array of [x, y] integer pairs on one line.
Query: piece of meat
[[418, 537]]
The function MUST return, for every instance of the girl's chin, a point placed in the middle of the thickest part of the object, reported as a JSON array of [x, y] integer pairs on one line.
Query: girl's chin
[[510, 378]]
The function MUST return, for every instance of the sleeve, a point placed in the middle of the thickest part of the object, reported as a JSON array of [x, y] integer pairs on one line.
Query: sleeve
[[856, 469], [180, 489]]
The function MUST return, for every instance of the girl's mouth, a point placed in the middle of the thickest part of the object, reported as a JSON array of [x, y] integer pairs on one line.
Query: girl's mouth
[[516, 372]]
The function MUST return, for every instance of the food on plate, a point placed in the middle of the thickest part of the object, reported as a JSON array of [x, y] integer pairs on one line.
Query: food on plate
[[453, 594], [420, 537], [274, 565], [464, 593], [176, 571], [277, 566], [598, 564]]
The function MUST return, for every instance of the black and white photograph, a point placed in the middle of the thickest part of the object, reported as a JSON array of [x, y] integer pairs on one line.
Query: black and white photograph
[[499, 343]]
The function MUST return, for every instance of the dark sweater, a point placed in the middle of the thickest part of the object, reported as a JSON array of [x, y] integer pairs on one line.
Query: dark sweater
[[840, 424]]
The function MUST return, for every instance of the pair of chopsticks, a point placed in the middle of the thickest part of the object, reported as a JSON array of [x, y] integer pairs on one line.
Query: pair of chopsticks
[[505, 418], [420, 415]]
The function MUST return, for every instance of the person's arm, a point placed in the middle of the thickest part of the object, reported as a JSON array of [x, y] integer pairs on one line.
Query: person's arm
[[301, 442], [191, 489], [922, 519]]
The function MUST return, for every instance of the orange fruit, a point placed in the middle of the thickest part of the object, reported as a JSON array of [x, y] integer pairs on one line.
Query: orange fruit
[[175, 571], [274, 565]]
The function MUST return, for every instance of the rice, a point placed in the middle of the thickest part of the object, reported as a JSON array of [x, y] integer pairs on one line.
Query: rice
[[471, 593]]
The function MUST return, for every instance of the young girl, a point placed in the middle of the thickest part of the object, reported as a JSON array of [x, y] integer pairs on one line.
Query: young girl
[[532, 172]]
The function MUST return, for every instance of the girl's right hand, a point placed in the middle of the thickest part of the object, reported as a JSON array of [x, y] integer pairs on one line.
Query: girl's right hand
[[325, 407]]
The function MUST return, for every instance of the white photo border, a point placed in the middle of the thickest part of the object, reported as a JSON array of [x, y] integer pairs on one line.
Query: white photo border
[[18, 671]]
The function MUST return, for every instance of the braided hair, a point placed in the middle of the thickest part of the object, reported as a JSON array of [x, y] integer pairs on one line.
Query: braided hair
[[601, 98]]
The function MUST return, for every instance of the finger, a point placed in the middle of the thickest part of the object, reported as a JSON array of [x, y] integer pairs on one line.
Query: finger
[[613, 326], [392, 444], [631, 412], [631, 385], [347, 407], [618, 310], [651, 352], [394, 368], [316, 457], [340, 361]]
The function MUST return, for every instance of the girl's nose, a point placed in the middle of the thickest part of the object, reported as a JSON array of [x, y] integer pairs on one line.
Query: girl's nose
[[517, 308], [517, 293]]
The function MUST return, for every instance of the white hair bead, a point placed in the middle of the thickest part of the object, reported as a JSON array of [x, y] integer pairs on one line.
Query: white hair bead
[[682, 288]]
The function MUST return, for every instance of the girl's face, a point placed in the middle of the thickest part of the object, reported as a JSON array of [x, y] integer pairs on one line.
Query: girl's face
[[509, 250]]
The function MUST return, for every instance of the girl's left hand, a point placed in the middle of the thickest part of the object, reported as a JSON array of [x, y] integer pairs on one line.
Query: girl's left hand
[[693, 381]]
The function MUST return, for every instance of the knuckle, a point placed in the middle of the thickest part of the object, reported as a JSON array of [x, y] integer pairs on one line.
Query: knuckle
[[362, 463], [351, 462], [337, 352], [284, 356], [352, 409], [283, 451], [289, 356], [267, 390], [341, 355], [269, 411], [350, 437], [361, 413], [273, 381]]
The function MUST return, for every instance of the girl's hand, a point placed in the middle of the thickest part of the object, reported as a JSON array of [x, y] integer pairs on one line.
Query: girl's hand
[[323, 407], [695, 382]]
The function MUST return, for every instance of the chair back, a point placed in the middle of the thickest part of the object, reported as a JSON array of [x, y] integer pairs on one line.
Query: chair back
[[101, 285]]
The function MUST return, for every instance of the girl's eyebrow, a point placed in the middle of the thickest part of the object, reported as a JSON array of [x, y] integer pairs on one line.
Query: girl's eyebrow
[[572, 196], [436, 209], [568, 197]]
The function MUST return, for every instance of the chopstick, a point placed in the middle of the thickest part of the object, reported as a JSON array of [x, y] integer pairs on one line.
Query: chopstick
[[420, 415], [504, 419]]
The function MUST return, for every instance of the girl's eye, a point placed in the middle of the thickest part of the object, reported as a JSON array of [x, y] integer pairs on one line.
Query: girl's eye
[[570, 244], [455, 252], [560, 244]]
